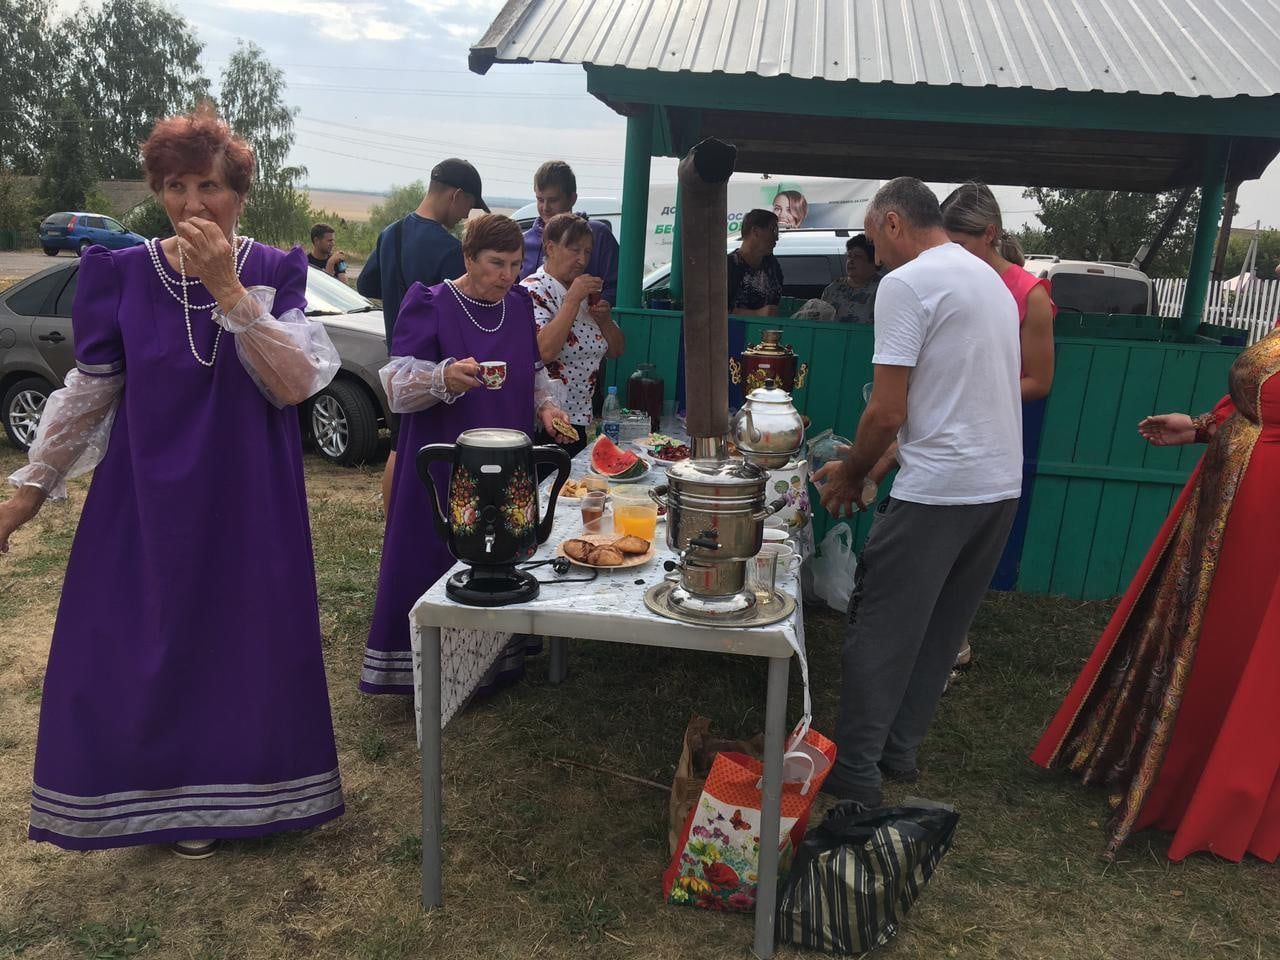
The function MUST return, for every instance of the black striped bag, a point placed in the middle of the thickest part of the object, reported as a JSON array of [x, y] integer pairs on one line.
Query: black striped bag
[[858, 872]]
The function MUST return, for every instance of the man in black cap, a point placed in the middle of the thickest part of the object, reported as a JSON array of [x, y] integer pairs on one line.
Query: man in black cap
[[420, 247]]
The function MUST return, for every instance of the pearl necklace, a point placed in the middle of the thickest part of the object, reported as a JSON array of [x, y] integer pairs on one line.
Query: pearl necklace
[[463, 300], [239, 256]]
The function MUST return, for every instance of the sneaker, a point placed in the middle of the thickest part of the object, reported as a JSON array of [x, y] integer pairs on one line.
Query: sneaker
[[194, 849], [899, 775]]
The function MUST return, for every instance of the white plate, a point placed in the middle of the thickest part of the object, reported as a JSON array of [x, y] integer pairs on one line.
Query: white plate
[[643, 474]]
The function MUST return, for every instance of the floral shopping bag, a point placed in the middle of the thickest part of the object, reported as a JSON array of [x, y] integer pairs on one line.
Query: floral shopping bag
[[717, 862]]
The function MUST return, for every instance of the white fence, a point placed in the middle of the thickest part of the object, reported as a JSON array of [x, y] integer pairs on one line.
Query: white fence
[[1253, 310]]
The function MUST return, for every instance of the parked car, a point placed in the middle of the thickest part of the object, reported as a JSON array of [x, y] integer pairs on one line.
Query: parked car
[[341, 420], [79, 231], [1087, 286], [810, 260]]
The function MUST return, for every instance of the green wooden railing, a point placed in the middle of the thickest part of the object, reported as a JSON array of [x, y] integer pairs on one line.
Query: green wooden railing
[[1099, 493]]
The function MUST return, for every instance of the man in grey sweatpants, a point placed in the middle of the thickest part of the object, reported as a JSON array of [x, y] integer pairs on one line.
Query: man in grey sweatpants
[[946, 388]]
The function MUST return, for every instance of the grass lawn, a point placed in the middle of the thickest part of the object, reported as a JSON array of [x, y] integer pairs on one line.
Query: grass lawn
[[545, 859]]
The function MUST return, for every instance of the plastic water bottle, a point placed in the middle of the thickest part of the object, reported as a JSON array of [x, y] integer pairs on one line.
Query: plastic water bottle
[[611, 416]]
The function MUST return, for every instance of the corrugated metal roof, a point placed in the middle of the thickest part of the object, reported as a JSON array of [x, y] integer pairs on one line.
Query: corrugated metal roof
[[1189, 48]]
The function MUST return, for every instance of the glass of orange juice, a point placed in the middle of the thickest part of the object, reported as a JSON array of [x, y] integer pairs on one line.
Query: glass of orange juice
[[634, 513]]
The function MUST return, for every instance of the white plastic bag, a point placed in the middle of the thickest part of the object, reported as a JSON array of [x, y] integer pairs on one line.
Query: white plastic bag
[[815, 310], [834, 567]]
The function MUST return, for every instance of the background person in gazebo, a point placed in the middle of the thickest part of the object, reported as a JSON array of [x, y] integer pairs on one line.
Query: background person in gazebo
[[185, 698], [755, 276]]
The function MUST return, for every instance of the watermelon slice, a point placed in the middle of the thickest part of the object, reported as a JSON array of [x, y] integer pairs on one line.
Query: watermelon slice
[[609, 460]]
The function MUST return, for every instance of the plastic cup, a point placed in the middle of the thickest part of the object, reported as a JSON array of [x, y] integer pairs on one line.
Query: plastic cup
[[762, 571], [593, 512], [635, 514]]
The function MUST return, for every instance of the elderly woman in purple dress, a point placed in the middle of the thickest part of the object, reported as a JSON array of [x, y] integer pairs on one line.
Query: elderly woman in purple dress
[[441, 334], [185, 698]]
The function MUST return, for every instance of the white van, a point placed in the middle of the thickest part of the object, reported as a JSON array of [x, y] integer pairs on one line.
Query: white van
[[607, 209], [1083, 286]]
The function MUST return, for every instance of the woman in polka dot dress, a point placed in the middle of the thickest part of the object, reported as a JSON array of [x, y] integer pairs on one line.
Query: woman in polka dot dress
[[575, 326]]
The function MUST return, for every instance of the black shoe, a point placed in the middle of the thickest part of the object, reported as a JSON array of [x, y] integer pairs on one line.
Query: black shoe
[[899, 776], [867, 796]]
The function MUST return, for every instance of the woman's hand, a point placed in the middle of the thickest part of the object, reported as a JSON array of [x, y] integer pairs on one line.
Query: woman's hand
[[601, 312], [208, 255], [1168, 430], [462, 375], [548, 415], [17, 510], [583, 287]]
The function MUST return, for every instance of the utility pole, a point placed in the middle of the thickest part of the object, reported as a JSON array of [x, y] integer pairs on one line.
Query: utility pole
[[1224, 233]]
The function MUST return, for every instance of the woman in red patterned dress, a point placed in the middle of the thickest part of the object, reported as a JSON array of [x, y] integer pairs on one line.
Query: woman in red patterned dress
[[1176, 710]]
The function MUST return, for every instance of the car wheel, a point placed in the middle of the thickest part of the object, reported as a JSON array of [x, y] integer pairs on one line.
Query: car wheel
[[343, 423], [84, 245], [50, 251], [23, 404]]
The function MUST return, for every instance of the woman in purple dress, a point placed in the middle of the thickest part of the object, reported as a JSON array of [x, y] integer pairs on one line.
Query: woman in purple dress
[[441, 335], [185, 698]]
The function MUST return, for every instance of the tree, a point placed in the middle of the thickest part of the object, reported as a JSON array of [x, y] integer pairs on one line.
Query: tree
[[252, 94], [136, 63], [1031, 239], [29, 60], [67, 176], [1268, 254], [400, 201], [148, 219], [17, 215], [1113, 224]]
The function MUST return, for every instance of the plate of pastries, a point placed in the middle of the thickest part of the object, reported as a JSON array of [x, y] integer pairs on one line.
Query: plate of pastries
[[606, 551]]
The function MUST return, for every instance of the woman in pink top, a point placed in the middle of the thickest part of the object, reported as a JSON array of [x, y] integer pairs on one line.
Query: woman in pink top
[[971, 216]]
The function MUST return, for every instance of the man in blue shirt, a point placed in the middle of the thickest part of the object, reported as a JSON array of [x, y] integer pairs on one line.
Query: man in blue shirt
[[420, 247], [556, 190]]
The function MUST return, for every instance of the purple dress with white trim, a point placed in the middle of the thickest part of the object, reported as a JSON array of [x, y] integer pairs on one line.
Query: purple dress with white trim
[[185, 696], [434, 326]]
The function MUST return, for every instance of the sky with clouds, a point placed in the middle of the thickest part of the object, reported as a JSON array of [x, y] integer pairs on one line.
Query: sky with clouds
[[384, 92]]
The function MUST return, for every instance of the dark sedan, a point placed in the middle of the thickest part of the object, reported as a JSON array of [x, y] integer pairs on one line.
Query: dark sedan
[[342, 420]]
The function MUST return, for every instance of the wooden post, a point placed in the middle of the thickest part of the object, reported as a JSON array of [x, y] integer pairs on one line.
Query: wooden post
[[676, 280], [1224, 234], [1212, 186], [635, 206]]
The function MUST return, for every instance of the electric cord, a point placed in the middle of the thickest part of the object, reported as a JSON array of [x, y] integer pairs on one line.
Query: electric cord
[[560, 566]]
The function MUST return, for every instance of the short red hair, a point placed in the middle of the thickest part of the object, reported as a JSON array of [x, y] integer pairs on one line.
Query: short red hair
[[192, 143]]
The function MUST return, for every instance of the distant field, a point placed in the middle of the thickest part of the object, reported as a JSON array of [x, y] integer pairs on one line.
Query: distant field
[[346, 204], [355, 206]]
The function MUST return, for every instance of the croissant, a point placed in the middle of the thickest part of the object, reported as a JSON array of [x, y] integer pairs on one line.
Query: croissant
[[579, 550], [607, 555], [631, 545]]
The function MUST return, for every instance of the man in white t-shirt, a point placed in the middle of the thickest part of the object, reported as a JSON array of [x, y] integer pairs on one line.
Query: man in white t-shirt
[[946, 387]]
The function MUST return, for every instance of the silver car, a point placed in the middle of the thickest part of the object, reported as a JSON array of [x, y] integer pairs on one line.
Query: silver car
[[342, 420]]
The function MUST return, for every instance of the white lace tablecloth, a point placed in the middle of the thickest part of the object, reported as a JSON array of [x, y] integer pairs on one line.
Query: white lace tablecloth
[[609, 608]]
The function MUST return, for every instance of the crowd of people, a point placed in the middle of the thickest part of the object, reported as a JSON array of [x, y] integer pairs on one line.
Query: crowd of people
[[185, 700]]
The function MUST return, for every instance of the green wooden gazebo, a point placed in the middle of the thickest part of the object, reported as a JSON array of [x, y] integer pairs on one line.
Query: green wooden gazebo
[[1107, 94]]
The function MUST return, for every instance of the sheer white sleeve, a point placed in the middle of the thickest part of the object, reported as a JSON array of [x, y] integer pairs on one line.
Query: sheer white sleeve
[[73, 433], [547, 389], [412, 384], [289, 357]]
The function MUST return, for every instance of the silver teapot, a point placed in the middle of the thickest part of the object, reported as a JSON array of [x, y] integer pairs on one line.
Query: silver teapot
[[768, 430]]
